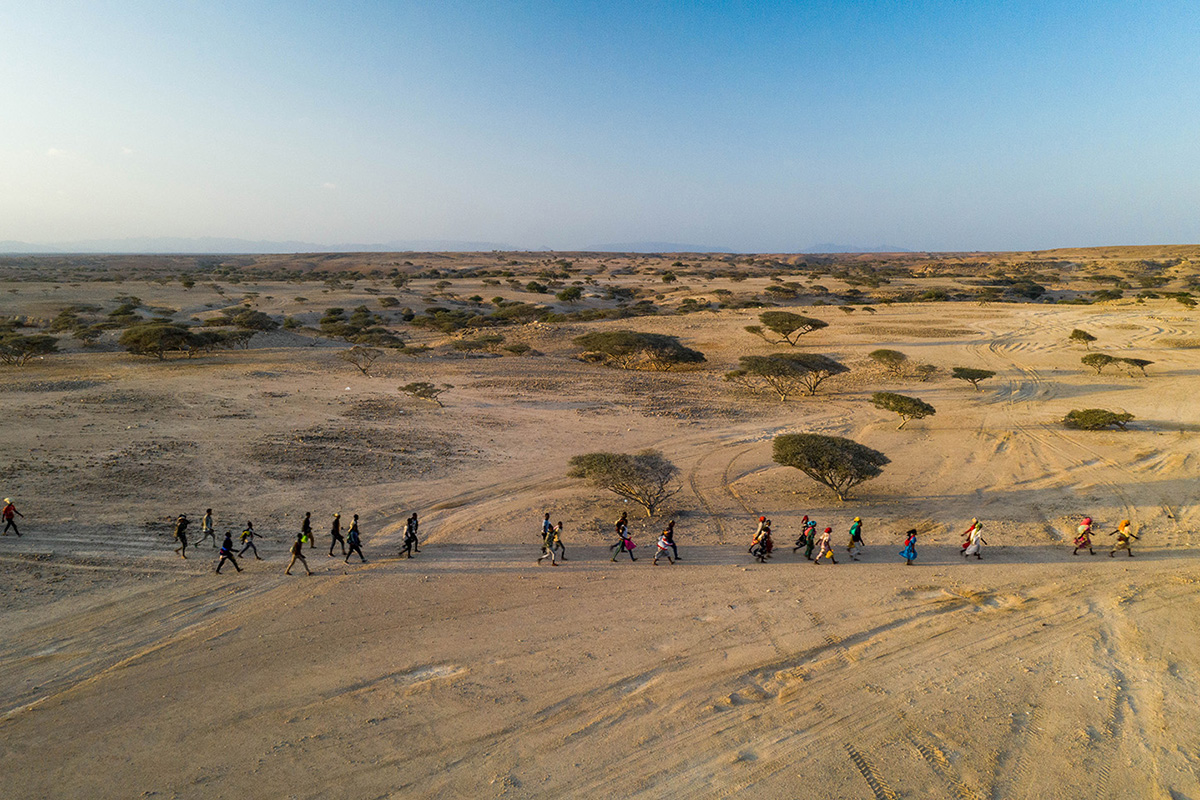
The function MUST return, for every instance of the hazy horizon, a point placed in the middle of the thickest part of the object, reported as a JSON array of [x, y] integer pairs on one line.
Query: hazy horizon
[[767, 128]]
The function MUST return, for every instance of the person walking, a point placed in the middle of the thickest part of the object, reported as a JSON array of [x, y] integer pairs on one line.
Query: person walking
[[206, 529], [181, 524], [10, 513], [335, 532], [826, 549], [802, 539], [624, 544], [306, 534], [1123, 534], [226, 553], [664, 547], [967, 533], [248, 541], [558, 542], [856, 540], [1083, 537], [410, 537], [909, 553], [548, 537], [354, 541], [298, 555], [762, 544], [975, 541], [669, 532], [812, 539]]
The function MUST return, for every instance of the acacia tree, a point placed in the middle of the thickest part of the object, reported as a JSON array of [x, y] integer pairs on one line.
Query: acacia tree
[[18, 350], [635, 350], [971, 375], [1140, 363], [892, 360], [361, 357], [907, 407], [1082, 336], [1095, 419], [645, 478], [157, 339], [840, 464], [1098, 361], [788, 326], [424, 390], [786, 373]]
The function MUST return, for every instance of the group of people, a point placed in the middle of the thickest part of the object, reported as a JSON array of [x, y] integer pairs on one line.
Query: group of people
[[350, 543], [1083, 538], [761, 546]]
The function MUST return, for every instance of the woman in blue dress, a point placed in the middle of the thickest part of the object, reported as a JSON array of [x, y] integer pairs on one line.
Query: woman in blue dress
[[910, 547]]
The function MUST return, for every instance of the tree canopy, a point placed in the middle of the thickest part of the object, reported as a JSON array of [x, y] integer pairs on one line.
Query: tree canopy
[[971, 375], [1095, 419], [1078, 335], [787, 326], [645, 478], [892, 360], [840, 464], [635, 350], [786, 373], [1097, 361], [907, 407], [18, 349]]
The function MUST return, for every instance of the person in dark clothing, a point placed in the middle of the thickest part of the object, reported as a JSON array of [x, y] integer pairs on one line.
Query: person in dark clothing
[[306, 531], [226, 553], [181, 525], [248, 541], [354, 542], [10, 512], [410, 537], [335, 531], [298, 555], [206, 528], [624, 543], [669, 533]]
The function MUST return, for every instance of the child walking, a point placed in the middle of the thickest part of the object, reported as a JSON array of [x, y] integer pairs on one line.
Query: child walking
[[856, 540], [354, 542], [664, 545], [181, 525]]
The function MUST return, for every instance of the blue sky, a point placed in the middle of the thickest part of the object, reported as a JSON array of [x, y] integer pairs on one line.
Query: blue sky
[[752, 126]]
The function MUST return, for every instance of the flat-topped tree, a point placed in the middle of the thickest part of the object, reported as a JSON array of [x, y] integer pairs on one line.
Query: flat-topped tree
[[786, 374], [645, 478], [1140, 363], [636, 350], [18, 349], [907, 407], [1098, 361], [1095, 419], [971, 375], [840, 464], [892, 360], [1083, 337], [787, 326], [424, 390]]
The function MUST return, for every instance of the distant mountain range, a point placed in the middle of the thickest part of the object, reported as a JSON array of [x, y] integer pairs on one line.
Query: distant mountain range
[[213, 244], [853, 248], [653, 247]]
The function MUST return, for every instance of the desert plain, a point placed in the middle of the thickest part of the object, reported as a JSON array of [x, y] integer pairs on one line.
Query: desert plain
[[471, 671]]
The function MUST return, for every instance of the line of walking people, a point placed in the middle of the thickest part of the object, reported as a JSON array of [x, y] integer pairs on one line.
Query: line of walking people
[[350, 543]]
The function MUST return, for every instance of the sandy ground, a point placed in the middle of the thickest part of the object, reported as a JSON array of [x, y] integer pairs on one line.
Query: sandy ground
[[472, 672]]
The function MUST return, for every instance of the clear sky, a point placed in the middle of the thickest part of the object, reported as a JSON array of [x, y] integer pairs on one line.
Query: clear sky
[[756, 126]]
